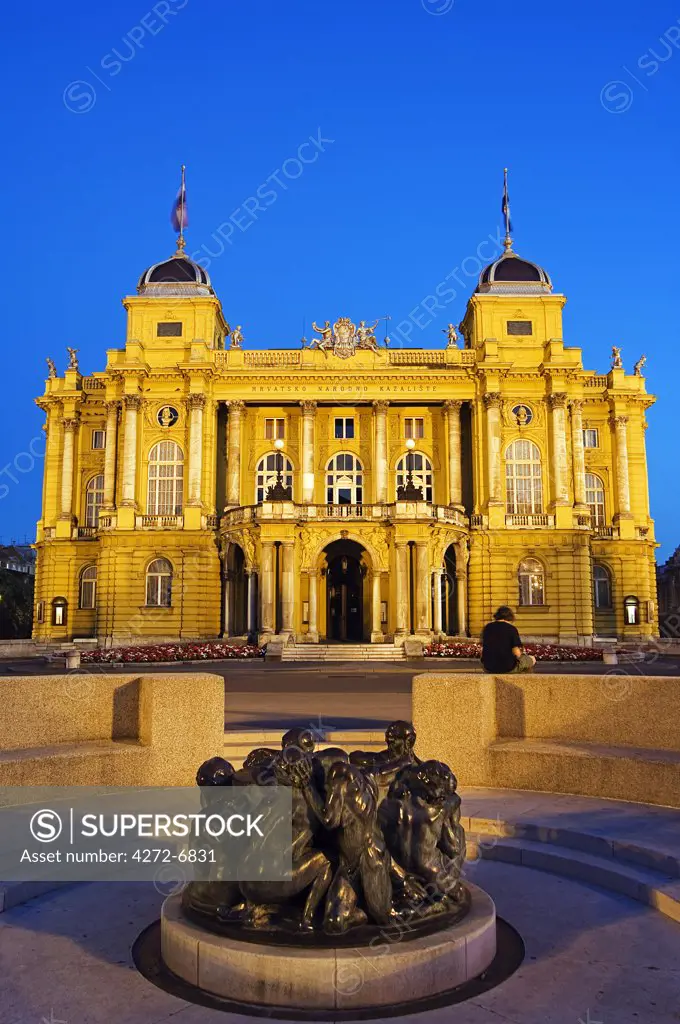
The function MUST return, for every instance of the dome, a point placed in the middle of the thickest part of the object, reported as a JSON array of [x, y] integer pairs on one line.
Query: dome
[[511, 274], [177, 276]]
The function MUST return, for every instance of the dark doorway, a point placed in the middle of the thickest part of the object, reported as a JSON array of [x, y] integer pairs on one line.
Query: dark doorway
[[344, 587], [449, 609]]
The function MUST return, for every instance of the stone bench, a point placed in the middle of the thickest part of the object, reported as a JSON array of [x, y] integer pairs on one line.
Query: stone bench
[[111, 730], [553, 766], [606, 736]]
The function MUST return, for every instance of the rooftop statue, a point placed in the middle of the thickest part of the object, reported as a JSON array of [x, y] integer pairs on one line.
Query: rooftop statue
[[638, 367]]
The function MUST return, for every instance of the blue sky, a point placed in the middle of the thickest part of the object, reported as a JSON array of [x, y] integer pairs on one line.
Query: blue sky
[[425, 101]]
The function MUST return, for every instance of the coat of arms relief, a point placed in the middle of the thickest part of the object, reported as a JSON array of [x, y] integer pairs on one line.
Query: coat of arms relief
[[344, 338]]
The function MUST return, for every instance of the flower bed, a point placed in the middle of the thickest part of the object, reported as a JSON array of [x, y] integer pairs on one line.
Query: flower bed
[[542, 652], [209, 650]]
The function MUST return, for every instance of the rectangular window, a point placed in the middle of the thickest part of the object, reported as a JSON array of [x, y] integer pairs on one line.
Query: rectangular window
[[274, 429], [344, 427], [169, 330], [591, 438], [40, 614], [414, 426], [99, 439], [521, 327]]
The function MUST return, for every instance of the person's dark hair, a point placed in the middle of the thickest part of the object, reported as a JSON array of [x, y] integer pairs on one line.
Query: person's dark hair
[[505, 613]]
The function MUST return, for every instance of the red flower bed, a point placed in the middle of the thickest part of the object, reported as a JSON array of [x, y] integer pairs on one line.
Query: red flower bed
[[209, 650], [542, 652]]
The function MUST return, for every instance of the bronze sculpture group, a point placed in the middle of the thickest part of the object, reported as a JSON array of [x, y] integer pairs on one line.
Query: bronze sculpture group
[[376, 840]]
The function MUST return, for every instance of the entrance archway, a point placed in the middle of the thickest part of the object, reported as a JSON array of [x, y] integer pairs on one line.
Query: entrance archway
[[345, 574], [449, 597], [234, 595]]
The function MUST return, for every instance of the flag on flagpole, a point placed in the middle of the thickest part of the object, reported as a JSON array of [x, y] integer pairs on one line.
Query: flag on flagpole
[[179, 217]]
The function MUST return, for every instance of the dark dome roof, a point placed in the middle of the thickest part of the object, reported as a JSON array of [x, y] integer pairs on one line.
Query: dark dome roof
[[511, 270], [177, 276]]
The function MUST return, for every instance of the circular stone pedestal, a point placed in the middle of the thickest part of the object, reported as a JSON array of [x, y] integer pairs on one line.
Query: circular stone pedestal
[[385, 972]]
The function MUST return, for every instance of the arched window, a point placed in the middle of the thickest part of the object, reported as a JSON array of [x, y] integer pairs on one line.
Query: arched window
[[344, 480], [267, 472], [523, 478], [595, 499], [94, 499], [159, 583], [166, 479], [602, 587], [421, 470], [88, 587], [531, 578]]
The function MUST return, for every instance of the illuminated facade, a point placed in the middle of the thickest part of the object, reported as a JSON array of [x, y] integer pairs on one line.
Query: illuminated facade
[[344, 490]]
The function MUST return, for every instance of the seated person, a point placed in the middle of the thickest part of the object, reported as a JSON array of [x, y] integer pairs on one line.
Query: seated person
[[502, 646]]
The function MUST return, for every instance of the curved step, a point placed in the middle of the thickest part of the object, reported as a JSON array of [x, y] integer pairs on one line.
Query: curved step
[[653, 888]]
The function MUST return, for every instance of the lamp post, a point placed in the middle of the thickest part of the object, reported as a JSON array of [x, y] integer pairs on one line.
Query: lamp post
[[409, 491], [278, 491]]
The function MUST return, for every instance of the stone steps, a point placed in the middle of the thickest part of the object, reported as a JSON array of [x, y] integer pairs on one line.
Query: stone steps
[[238, 744], [342, 652], [641, 873]]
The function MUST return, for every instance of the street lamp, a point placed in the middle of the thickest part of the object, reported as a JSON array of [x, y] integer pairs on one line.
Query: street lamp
[[277, 491], [409, 491]]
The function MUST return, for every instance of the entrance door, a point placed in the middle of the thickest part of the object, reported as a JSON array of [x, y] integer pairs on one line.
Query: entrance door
[[345, 610]]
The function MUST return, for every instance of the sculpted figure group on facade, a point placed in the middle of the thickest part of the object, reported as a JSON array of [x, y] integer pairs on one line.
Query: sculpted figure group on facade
[[344, 337], [376, 839]]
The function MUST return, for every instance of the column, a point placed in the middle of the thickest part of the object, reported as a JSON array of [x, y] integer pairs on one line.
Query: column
[[67, 468], [313, 625], [558, 404], [578, 455], [196, 404], [492, 401], [287, 585], [452, 411], [251, 620], [422, 587], [236, 410], [377, 635], [461, 602], [622, 480], [380, 451], [110, 454], [226, 601], [462, 559], [267, 588], [402, 613], [437, 624], [307, 460], [133, 404]]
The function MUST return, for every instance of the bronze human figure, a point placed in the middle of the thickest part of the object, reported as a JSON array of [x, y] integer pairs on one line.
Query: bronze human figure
[[359, 862], [420, 820]]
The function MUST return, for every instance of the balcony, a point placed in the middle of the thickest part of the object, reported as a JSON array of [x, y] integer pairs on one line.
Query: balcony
[[360, 512], [604, 531], [160, 522], [329, 511], [533, 520], [86, 532]]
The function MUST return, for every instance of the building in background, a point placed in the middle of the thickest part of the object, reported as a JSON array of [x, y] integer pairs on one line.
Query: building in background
[[668, 584], [17, 573], [344, 490]]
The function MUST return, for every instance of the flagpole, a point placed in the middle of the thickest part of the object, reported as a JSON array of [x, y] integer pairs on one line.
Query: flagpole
[[180, 241], [506, 210]]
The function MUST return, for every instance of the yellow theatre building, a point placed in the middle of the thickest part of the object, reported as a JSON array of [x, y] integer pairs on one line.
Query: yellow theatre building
[[346, 490]]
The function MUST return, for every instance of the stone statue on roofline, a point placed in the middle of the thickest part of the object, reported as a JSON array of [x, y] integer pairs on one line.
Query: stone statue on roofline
[[617, 361], [637, 369]]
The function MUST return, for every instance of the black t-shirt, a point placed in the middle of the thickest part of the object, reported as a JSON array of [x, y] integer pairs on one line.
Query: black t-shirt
[[498, 640]]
